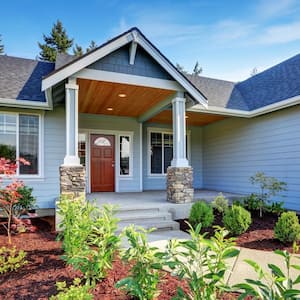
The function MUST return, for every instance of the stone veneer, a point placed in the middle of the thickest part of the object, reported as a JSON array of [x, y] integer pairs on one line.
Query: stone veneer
[[72, 180], [180, 184]]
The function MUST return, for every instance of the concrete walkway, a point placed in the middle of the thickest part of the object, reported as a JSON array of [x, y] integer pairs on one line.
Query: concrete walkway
[[238, 269]]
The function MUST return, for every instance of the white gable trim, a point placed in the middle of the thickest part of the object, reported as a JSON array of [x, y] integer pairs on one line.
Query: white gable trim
[[135, 36], [25, 104]]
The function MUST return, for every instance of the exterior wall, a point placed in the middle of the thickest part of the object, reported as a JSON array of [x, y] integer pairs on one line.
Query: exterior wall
[[158, 182], [118, 61], [46, 189], [110, 125], [235, 149]]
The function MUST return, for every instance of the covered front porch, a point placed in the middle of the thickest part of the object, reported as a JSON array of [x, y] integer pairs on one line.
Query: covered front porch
[[155, 200]]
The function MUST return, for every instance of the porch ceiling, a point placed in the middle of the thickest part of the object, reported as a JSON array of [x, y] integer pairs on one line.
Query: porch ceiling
[[99, 97], [192, 118]]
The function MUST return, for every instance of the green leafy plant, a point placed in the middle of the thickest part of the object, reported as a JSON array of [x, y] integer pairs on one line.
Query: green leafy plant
[[26, 202], [75, 292], [88, 236], [274, 285], [253, 202], [146, 265], [201, 262], [268, 188], [11, 259], [220, 203], [276, 208], [201, 213], [287, 228], [237, 220]]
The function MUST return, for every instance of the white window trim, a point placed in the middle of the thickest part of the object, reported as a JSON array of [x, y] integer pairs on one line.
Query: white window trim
[[163, 131], [40, 174], [117, 135]]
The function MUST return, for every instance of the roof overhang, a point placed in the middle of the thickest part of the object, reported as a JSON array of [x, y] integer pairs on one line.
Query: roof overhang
[[135, 36]]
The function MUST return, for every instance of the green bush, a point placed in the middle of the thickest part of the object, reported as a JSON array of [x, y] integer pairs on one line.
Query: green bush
[[237, 220], [220, 203], [143, 280], [201, 263], [11, 259], [88, 236], [201, 213], [287, 228], [75, 292], [26, 201]]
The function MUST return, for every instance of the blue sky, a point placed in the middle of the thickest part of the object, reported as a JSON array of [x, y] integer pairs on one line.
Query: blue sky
[[228, 38]]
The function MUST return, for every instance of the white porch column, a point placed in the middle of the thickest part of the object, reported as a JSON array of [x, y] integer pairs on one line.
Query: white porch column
[[71, 158], [179, 131]]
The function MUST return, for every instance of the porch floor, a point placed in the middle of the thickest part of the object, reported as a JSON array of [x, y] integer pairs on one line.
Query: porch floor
[[155, 199]]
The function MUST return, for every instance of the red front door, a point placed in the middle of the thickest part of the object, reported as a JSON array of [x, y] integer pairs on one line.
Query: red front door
[[102, 163]]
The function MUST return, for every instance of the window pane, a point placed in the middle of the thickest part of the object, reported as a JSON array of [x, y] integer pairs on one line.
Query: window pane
[[168, 150], [29, 143], [8, 125], [82, 148], [156, 153], [124, 155]]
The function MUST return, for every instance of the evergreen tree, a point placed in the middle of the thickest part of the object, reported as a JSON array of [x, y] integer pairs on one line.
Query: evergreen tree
[[253, 72], [197, 69], [91, 46], [57, 42], [1, 45], [77, 50], [180, 68]]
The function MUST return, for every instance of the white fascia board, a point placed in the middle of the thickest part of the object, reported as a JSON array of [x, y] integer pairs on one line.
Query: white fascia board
[[170, 69], [107, 76], [25, 104], [85, 61], [247, 114]]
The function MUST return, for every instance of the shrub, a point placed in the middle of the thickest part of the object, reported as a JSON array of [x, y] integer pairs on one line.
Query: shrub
[[75, 292], [26, 201], [144, 274], [220, 203], [287, 228], [237, 220], [11, 259], [89, 239], [201, 213], [277, 284], [201, 262]]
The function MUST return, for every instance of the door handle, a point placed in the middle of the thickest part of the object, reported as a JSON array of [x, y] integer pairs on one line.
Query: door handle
[[113, 165]]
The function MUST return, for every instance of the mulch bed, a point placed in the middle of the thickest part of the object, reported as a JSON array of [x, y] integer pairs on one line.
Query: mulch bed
[[36, 280], [260, 234]]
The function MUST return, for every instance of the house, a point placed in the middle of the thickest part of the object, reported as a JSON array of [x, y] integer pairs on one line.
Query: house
[[122, 118]]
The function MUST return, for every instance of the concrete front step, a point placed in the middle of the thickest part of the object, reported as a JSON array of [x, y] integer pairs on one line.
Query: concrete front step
[[137, 217], [166, 225]]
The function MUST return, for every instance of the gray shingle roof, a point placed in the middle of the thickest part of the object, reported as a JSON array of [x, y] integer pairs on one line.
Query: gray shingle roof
[[21, 78]]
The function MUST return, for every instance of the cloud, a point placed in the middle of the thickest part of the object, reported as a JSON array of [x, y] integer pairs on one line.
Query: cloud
[[279, 34], [271, 9]]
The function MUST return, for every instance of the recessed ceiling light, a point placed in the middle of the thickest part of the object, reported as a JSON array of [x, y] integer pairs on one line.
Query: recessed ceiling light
[[110, 108], [122, 95]]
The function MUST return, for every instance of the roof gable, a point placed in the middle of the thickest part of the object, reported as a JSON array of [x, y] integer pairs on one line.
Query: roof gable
[[133, 35]]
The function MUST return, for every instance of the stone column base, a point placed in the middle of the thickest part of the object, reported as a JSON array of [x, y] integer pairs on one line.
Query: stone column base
[[72, 180], [180, 184]]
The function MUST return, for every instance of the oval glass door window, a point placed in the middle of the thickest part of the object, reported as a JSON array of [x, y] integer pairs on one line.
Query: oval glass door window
[[102, 141]]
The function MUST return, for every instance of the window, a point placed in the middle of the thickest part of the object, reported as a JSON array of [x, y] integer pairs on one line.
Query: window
[[124, 155], [82, 148], [19, 137], [161, 151]]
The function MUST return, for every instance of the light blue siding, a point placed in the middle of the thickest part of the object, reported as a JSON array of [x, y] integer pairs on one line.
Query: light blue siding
[[118, 61], [158, 182], [46, 189], [234, 149], [118, 125]]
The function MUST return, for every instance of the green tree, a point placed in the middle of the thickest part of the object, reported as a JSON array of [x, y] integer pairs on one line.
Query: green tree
[[77, 50], [57, 42], [197, 69], [1, 45], [91, 46]]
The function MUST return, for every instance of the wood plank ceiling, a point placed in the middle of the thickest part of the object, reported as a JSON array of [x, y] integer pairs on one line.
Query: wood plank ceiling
[[99, 97], [109, 98]]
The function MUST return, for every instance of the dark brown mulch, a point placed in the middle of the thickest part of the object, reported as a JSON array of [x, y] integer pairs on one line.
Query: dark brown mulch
[[260, 234]]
